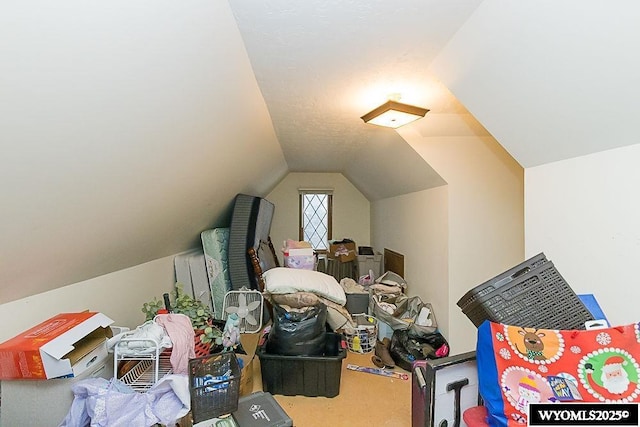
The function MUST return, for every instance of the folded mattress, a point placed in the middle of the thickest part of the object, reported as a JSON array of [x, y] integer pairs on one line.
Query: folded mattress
[[250, 224], [215, 243]]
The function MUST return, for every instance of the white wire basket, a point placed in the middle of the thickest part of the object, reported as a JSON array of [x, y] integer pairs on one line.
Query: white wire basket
[[362, 338]]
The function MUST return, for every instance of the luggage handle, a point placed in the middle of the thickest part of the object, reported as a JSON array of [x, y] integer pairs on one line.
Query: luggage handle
[[515, 275], [422, 383]]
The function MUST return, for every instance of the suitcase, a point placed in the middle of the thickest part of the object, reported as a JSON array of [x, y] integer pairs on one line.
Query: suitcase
[[442, 389]]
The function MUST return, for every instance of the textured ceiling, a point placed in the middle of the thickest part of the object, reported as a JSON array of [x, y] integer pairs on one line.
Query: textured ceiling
[[322, 64], [547, 83]]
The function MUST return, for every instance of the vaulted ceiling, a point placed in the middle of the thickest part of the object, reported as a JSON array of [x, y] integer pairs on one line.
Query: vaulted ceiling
[[126, 128], [321, 65], [538, 76]]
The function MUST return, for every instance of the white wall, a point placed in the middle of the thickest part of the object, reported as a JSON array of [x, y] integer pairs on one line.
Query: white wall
[[417, 226], [485, 216], [118, 295], [351, 210], [126, 129], [584, 214], [534, 73]]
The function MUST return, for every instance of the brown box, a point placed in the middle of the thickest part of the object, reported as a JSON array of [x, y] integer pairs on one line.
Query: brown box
[[246, 375], [351, 255], [249, 344]]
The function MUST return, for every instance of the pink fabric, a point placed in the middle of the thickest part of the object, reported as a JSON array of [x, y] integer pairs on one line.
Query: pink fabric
[[179, 329]]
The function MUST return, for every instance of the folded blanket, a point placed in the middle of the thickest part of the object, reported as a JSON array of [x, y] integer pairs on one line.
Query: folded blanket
[[350, 286]]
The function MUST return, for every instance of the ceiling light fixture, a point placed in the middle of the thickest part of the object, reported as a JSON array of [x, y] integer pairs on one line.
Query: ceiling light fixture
[[394, 114]]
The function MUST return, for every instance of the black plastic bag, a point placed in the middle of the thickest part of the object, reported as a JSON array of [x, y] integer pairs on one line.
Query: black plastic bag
[[405, 348], [298, 333]]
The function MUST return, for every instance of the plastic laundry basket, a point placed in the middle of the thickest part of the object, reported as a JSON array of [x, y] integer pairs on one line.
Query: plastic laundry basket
[[362, 338]]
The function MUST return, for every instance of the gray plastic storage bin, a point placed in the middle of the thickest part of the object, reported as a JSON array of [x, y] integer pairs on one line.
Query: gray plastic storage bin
[[260, 409], [532, 294], [370, 262], [357, 302]]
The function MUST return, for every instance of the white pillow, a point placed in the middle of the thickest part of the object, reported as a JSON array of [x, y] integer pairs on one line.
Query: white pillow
[[283, 280]]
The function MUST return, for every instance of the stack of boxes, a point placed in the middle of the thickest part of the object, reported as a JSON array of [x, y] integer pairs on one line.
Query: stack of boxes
[[299, 255]]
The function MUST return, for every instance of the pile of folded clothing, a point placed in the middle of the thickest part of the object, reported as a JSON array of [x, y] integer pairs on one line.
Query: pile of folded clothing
[[304, 299]]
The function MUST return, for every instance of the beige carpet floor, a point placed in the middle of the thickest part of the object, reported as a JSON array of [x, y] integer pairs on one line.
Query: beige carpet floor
[[365, 400]]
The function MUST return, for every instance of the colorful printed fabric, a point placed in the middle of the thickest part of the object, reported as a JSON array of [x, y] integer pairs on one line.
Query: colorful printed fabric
[[518, 366]]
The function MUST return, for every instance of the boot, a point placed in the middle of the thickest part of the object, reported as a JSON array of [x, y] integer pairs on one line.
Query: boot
[[382, 352]]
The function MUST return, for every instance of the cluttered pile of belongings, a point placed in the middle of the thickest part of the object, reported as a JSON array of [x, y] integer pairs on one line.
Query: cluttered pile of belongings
[[305, 303], [408, 322], [115, 401]]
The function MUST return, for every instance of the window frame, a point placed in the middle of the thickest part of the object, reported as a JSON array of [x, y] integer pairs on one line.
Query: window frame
[[329, 193]]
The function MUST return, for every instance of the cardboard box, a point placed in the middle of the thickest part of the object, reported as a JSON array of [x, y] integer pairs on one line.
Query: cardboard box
[[303, 262], [249, 344], [246, 374], [45, 402], [343, 252], [64, 346], [298, 251], [302, 258]]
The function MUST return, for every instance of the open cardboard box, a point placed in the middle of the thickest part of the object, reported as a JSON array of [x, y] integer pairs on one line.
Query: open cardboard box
[[347, 251], [249, 344], [65, 345]]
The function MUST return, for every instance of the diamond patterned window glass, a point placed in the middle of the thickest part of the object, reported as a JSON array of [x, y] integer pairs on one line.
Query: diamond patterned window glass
[[315, 220]]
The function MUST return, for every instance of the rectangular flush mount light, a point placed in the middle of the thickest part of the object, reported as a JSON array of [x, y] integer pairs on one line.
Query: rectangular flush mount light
[[394, 114]]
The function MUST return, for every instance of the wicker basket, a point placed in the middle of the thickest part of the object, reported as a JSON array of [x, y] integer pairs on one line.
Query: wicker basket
[[362, 338]]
